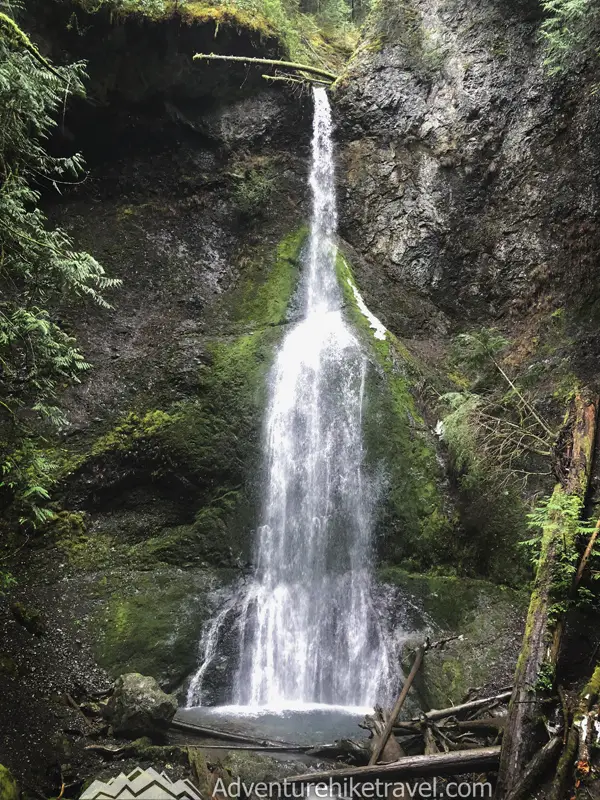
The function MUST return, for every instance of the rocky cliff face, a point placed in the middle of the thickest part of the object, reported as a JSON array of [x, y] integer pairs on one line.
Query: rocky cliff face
[[470, 176]]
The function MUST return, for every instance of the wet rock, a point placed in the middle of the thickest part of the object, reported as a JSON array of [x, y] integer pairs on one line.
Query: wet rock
[[246, 122], [460, 180], [483, 621], [8, 786], [30, 618], [139, 707], [8, 666]]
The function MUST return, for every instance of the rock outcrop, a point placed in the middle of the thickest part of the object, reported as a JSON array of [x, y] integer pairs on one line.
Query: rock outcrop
[[138, 707], [469, 173]]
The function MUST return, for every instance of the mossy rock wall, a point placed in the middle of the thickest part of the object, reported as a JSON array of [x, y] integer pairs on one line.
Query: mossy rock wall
[[414, 518], [483, 621], [168, 497]]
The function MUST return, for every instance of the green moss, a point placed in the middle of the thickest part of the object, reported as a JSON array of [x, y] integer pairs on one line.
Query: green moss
[[481, 614], [237, 16], [68, 523], [593, 686], [209, 444], [414, 524], [266, 302], [88, 553], [8, 786], [152, 610], [447, 599], [150, 623], [131, 428], [29, 617]]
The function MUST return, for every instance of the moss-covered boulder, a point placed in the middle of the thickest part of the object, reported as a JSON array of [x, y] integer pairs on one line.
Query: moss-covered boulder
[[8, 786], [139, 707], [484, 621], [151, 621]]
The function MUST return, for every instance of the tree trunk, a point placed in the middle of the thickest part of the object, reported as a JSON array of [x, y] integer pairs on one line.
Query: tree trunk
[[379, 747], [535, 770], [578, 739], [541, 643], [458, 763], [269, 62]]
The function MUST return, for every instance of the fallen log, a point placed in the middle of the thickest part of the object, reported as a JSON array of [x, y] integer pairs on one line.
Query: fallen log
[[465, 708], [489, 725], [538, 657], [345, 749], [269, 62], [290, 80], [379, 747], [575, 756], [377, 724], [213, 733], [112, 751], [461, 762]]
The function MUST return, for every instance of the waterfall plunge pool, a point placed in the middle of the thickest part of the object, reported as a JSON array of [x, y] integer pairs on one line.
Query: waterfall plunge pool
[[296, 723]]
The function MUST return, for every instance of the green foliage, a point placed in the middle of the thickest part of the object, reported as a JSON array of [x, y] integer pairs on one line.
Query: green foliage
[[559, 517], [557, 512], [7, 580], [29, 475], [569, 31], [492, 426], [8, 786], [497, 443], [253, 191], [39, 269], [545, 679], [311, 31], [475, 353]]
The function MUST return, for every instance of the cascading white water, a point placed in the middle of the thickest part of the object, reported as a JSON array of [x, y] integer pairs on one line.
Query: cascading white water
[[309, 631]]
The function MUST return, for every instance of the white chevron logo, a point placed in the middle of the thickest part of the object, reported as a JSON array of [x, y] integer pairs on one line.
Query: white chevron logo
[[141, 785]]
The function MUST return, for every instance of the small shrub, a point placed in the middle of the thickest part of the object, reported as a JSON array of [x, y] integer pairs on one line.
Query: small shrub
[[253, 192]]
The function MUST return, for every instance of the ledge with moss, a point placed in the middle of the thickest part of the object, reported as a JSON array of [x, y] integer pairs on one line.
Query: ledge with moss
[[414, 522], [273, 26], [487, 620], [166, 499]]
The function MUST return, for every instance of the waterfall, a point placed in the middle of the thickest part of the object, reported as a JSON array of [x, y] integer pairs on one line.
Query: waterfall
[[309, 630]]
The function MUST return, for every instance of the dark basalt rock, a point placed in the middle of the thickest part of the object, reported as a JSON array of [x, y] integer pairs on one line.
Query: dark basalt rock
[[468, 172]]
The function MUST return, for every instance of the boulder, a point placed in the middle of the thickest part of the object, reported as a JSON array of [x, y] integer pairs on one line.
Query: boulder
[[8, 786], [139, 707]]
